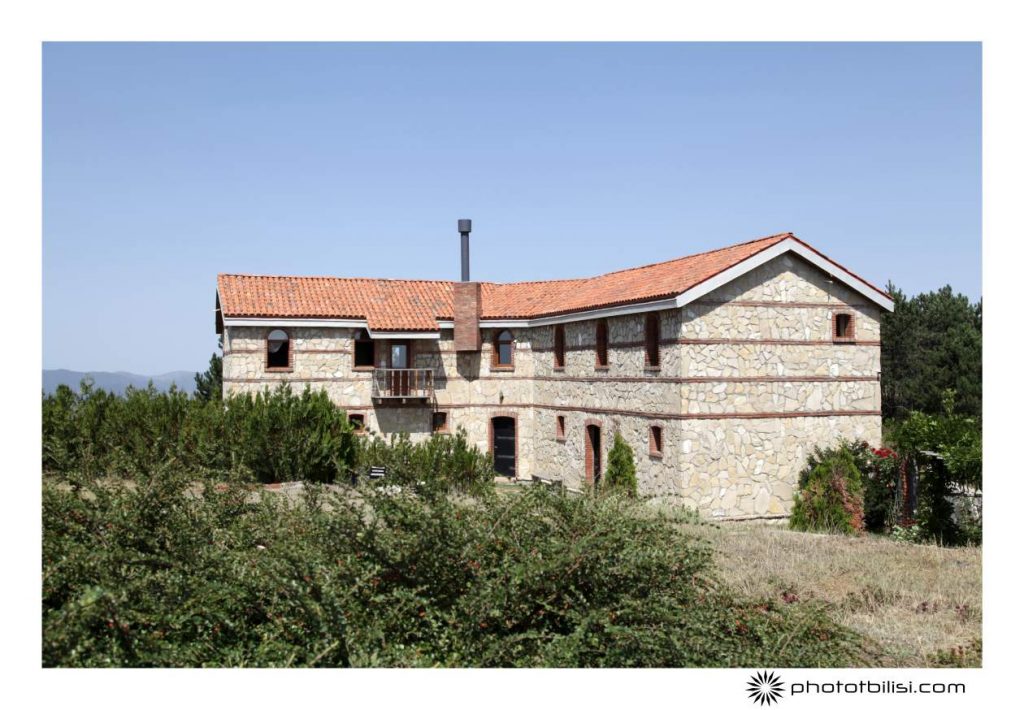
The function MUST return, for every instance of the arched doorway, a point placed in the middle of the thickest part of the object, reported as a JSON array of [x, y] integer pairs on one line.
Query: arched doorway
[[503, 445], [592, 444]]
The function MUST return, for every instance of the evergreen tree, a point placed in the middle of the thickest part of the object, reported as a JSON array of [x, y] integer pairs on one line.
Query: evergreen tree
[[931, 343], [210, 384], [621, 473]]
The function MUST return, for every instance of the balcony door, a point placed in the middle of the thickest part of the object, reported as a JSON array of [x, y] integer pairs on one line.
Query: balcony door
[[399, 379]]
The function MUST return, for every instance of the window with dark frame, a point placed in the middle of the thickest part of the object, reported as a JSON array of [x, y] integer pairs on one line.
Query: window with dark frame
[[559, 346], [652, 340], [503, 347], [842, 326], [560, 428], [278, 350], [364, 350], [439, 422], [358, 422], [601, 336], [656, 449]]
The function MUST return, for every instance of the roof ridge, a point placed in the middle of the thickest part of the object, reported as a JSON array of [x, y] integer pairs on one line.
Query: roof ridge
[[335, 278], [779, 236]]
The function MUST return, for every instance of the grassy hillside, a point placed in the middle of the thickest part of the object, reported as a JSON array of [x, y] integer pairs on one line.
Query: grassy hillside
[[914, 601]]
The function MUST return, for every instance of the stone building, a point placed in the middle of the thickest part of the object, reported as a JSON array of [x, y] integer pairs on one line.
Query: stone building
[[722, 370]]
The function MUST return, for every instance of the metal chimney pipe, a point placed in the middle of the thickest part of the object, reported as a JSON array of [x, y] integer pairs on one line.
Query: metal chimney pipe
[[465, 227]]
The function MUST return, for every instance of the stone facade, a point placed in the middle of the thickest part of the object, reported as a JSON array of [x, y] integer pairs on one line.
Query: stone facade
[[749, 380]]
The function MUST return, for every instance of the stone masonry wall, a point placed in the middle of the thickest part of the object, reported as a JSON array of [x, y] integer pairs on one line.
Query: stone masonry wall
[[739, 370]]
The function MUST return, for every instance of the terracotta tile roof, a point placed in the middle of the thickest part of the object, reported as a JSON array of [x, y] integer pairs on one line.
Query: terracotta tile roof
[[397, 304]]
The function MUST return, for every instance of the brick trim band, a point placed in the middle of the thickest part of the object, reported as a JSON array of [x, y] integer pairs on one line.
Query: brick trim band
[[596, 378], [782, 304], [715, 341], [655, 416]]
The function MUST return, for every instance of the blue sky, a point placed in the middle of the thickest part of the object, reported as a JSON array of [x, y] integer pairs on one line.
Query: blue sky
[[165, 164]]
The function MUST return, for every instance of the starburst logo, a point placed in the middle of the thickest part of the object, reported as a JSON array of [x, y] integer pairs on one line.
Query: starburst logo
[[764, 688]]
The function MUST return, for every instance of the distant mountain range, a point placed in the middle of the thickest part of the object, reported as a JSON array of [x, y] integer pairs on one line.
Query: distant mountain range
[[117, 381]]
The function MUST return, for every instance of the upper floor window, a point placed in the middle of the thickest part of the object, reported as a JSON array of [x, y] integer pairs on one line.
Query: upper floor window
[[560, 428], [652, 340], [559, 346], [842, 326], [503, 347], [278, 350], [601, 336], [363, 350]]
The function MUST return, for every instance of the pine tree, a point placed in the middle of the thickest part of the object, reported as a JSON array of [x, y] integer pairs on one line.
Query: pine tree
[[621, 473], [210, 384]]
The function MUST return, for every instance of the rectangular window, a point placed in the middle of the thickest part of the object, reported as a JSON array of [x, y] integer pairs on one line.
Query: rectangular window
[[652, 340], [559, 346], [439, 422], [363, 350], [842, 327], [656, 444], [601, 337], [560, 428]]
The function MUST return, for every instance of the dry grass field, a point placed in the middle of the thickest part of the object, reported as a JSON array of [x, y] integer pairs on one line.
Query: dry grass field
[[913, 600]]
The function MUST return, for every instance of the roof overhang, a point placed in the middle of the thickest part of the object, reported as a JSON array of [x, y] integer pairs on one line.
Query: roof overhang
[[404, 334]]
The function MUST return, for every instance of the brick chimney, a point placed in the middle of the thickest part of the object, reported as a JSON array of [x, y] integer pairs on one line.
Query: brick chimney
[[467, 300]]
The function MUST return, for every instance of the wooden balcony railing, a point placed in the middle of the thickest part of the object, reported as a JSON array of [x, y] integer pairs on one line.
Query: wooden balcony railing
[[406, 383]]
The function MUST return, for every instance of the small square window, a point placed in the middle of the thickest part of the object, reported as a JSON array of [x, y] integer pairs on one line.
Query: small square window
[[560, 428], [439, 422], [358, 422], [656, 442], [842, 327]]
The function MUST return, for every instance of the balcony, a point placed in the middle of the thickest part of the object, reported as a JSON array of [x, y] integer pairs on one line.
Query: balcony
[[402, 384]]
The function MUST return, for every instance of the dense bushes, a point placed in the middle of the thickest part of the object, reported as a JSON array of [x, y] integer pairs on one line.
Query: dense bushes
[[922, 489], [945, 453], [831, 495], [272, 436], [161, 572], [440, 464]]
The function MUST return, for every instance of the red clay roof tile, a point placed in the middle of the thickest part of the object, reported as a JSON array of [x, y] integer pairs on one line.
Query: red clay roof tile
[[408, 305]]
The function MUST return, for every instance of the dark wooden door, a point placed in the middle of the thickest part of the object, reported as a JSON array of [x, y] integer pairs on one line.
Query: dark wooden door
[[503, 433], [593, 454]]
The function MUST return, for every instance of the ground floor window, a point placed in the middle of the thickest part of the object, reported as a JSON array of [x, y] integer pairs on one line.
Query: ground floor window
[[439, 422], [656, 443], [358, 422]]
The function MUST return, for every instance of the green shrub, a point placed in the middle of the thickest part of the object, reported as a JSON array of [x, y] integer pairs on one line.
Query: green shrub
[[831, 497], [945, 451], [621, 473], [274, 436], [441, 464], [160, 572]]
